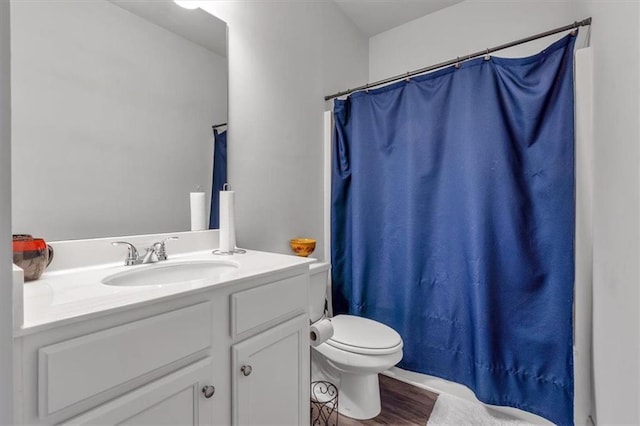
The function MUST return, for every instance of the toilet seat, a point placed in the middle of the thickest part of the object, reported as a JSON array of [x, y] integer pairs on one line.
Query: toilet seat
[[363, 336]]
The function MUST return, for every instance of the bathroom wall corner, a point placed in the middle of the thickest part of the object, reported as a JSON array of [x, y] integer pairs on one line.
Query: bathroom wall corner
[[299, 51], [6, 289], [616, 209]]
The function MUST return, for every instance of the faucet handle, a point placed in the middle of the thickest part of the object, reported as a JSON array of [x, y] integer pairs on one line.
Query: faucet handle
[[132, 254], [161, 250]]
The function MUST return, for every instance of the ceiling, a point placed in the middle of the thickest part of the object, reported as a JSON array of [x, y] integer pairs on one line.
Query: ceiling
[[195, 25], [375, 16], [370, 16]]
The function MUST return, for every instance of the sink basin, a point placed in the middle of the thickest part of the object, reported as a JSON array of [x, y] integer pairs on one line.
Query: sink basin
[[170, 273]]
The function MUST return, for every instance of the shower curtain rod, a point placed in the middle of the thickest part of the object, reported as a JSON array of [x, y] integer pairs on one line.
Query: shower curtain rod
[[458, 60], [215, 126]]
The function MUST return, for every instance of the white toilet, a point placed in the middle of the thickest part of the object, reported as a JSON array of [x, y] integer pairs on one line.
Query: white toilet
[[359, 349]]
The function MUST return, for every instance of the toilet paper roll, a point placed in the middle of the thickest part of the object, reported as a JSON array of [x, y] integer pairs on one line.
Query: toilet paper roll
[[198, 222], [227, 222], [320, 332]]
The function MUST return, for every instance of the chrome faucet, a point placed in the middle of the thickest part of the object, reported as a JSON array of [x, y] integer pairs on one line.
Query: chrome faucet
[[155, 253], [161, 250], [133, 258]]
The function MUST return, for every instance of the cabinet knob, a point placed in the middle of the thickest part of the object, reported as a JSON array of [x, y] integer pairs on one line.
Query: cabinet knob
[[246, 370], [208, 391]]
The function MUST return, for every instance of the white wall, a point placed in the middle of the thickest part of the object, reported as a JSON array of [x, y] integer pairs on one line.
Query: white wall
[[467, 27], [283, 58], [111, 120], [6, 286], [615, 40]]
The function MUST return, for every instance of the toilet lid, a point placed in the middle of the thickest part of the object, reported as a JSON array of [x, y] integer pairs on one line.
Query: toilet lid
[[362, 335]]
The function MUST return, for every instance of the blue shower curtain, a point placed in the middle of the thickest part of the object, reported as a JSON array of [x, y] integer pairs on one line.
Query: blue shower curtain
[[453, 222], [219, 176]]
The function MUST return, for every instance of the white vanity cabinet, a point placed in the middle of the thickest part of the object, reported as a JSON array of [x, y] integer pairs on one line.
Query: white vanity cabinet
[[159, 363], [177, 399], [270, 370], [271, 376]]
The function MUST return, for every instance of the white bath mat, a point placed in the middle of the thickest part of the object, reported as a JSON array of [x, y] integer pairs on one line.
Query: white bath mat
[[450, 410]]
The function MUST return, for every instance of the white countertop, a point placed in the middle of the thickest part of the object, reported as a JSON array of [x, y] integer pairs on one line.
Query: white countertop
[[66, 296]]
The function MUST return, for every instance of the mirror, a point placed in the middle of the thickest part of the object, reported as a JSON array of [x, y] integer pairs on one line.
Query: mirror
[[113, 104]]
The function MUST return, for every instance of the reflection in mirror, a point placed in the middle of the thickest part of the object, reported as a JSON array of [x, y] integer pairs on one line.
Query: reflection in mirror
[[112, 108]]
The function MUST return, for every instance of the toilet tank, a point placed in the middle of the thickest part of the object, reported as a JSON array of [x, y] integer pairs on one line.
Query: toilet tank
[[319, 279]]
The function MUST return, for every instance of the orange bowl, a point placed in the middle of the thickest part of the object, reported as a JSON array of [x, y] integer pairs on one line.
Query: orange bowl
[[303, 246]]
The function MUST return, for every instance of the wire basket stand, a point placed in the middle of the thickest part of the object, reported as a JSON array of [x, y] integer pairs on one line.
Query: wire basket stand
[[324, 404]]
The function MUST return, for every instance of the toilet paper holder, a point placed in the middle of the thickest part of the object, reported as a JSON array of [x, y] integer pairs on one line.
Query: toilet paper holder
[[227, 236], [320, 331]]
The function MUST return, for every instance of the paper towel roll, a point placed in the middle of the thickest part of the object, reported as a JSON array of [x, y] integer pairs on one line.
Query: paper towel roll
[[227, 221], [320, 332], [198, 208]]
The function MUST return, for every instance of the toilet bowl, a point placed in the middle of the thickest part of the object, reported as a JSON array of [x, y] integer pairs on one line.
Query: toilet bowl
[[359, 349]]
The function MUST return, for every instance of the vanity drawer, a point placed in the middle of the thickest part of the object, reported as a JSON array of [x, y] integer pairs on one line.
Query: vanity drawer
[[261, 306], [80, 368]]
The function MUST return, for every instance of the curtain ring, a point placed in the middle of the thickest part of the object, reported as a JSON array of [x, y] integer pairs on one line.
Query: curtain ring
[[407, 78], [457, 65], [575, 28], [486, 55]]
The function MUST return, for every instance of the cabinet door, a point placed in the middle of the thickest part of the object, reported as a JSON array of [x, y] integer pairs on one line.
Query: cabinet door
[[270, 376], [176, 399]]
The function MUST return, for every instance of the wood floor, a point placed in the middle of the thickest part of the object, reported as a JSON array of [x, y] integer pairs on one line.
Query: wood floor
[[402, 404]]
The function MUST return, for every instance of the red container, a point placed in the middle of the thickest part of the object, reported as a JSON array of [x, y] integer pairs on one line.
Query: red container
[[33, 255]]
